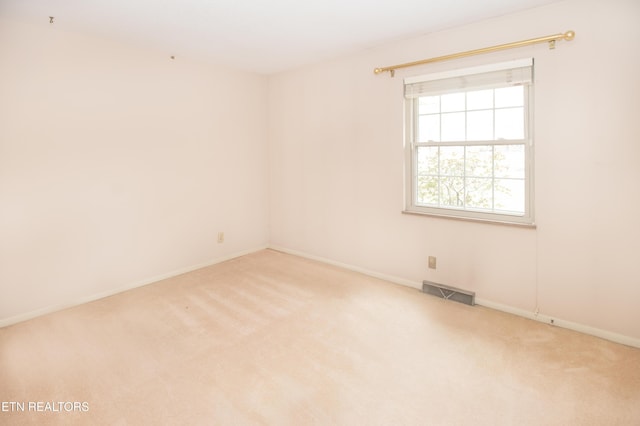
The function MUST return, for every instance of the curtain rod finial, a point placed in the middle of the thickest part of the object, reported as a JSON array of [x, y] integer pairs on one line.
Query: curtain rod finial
[[569, 35], [377, 71]]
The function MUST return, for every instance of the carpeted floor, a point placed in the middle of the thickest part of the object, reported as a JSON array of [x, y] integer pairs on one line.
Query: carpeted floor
[[274, 339]]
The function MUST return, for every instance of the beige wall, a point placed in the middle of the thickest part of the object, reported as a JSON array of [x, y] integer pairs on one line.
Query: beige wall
[[119, 165], [336, 154]]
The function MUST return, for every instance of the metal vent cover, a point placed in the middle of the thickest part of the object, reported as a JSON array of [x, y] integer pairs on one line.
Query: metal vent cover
[[449, 293]]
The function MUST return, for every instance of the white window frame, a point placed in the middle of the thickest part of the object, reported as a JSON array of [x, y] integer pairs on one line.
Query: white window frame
[[412, 145]]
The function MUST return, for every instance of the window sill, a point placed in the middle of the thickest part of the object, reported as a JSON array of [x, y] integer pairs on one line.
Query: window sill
[[473, 219]]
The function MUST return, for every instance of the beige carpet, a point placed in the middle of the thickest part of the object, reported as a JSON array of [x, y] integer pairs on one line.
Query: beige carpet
[[274, 339]]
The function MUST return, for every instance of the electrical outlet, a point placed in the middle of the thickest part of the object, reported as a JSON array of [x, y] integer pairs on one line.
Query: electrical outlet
[[432, 262], [220, 237]]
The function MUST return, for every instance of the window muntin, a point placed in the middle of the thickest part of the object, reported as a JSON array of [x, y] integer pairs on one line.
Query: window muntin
[[469, 149]]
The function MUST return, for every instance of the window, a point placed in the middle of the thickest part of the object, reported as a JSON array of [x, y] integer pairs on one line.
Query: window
[[469, 150]]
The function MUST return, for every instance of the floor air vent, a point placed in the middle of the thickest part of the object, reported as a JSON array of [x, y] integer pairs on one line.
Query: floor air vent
[[449, 293]]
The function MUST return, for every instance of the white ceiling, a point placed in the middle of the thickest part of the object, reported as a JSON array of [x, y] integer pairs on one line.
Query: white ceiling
[[264, 36]]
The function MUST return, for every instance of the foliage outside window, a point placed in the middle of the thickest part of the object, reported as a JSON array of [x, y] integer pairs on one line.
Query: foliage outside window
[[469, 150]]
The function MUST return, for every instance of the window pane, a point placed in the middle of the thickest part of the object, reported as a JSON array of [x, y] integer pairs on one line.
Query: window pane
[[469, 152], [453, 128], [479, 161], [510, 96], [452, 160], [480, 125], [510, 123], [452, 102], [427, 160], [509, 195], [509, 161], [429, 105], [451, 192], [480, 99], [429, 128], [479, 193], [427, 190]]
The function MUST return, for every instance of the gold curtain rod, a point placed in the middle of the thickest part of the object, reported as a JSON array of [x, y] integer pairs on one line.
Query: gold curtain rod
[[551, 39]]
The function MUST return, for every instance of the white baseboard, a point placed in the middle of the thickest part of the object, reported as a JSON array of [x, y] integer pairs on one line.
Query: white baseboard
[[364, 271], [585, 329], [604, 334], [54, 308]]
